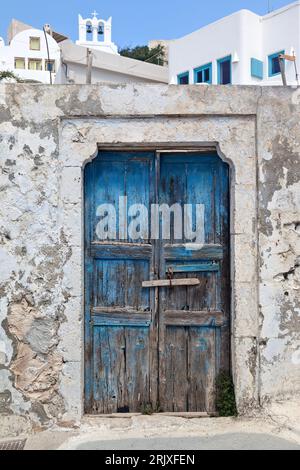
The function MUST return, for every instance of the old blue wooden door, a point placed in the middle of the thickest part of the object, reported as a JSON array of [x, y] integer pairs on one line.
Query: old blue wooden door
[[194, 320], [155, 347]]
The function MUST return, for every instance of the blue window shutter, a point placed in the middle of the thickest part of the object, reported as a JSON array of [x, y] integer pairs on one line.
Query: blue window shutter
[[183, 78], [257, 68], [273, 60]]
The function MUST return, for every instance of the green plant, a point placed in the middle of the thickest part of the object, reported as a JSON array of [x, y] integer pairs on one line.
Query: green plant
[[149, 409], [4, 75], [226, 405], [155, 55]]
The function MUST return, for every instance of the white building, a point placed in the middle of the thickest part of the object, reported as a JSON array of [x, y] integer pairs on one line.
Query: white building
[[29, 56], [96, 34], [242, 48], [110, 68]]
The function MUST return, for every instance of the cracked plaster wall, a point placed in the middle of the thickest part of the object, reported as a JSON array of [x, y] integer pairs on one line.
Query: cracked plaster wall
[[46, 136], [279, 212]]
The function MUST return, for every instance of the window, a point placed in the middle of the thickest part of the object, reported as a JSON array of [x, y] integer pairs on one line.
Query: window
[[35, 44], [203, 74], [224, 71], [183, 78], [50, 66], [35, 64], [274, 65], [257, 68], [19, 63]]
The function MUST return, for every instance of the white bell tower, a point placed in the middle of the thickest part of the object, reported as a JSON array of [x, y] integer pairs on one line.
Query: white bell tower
[[96, 34]]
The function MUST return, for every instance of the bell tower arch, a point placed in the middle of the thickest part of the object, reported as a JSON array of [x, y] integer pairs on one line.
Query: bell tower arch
[[96, 33]]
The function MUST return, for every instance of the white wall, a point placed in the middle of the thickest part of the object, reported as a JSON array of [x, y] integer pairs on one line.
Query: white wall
[[246, 35], [251, 46], [281, 31], [111, 68], [208, 44], [20, 47], [76, 73]]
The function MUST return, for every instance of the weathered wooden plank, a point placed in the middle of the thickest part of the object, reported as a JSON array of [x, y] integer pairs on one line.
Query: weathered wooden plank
[[201, 369], [188, 252], [117, 283], [199, 189], [186, 318], [109, 282], [138, 182], [87, 417], [207, 321], [136, 297], [202, 297], [178, 414], [192, 267], [217, 313], [108, 372], [122, 320], [117, 311], [121, 369], [189, 414], [137, 367], [120, 244], [114, 251], [177, 385], [171, 282]]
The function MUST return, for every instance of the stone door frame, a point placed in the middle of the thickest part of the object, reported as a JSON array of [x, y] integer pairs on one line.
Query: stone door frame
[[234, 138]]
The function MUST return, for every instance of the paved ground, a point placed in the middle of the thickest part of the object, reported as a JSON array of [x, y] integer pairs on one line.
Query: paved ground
[[220, 442], [172, 433]]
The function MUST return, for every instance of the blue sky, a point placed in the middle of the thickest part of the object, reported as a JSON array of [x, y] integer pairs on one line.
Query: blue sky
[[134, 21]]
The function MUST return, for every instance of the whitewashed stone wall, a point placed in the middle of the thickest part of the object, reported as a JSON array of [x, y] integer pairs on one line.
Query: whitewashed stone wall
[[47, 134]]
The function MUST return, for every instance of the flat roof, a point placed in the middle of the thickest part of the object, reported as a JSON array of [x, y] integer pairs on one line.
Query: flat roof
[[115, 63]]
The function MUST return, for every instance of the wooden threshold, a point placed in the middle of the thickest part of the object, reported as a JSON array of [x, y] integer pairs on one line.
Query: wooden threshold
[[183, 414]]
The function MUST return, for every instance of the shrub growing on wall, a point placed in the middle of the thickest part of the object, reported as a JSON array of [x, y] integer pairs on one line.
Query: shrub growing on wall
[[155, 55], [9, 76]]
